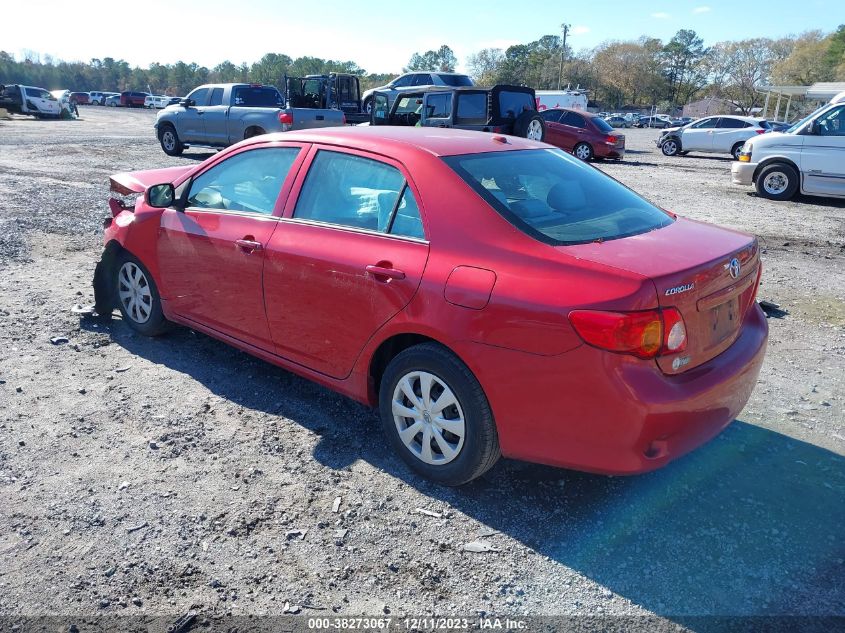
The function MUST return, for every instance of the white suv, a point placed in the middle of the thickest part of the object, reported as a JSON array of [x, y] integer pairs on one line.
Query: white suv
[[808, 157], [718, 134]]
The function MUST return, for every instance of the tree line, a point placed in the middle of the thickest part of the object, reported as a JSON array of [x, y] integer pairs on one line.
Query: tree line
[[639, 73]]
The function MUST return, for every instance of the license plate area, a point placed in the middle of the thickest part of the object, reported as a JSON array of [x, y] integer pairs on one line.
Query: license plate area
[[723, 320]]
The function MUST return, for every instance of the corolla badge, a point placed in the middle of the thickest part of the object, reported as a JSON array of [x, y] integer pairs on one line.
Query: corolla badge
[[733, 267], [679, 289]]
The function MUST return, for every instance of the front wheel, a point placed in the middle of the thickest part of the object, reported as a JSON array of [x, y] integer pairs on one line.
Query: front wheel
[[736, 149], [583, 151], [170, 142], [137, 297], [436, 416], [778, 181], [368, 105], [670, 147]]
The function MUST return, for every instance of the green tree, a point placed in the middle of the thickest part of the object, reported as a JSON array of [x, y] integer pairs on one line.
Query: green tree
[[443, 60]]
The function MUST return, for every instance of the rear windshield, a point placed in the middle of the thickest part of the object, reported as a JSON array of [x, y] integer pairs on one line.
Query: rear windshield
[[556, 198], [257, 97], [456, 80], [512, 104], [601, 124]]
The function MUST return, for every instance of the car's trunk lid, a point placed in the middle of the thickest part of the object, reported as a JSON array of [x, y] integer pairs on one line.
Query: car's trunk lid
[[693, 269]]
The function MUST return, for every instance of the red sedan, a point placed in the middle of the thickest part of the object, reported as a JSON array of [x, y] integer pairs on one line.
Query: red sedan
[[585, 135], [489, 294]]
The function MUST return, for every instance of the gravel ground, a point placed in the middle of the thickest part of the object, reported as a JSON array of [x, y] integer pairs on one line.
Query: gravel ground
[[150, 476]]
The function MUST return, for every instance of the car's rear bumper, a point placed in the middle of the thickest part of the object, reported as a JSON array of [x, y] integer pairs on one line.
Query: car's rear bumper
[[743, 173], [605, 151], [596, 411]]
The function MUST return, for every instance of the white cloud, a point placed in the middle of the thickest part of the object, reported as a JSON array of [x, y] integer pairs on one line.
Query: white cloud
[[580, 29], [660, 15], [704, 9]]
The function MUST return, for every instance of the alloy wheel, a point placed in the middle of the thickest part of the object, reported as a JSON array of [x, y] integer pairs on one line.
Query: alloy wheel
[[582, 152], [428, 418], [168, 140], [535, 131], [134, 292]]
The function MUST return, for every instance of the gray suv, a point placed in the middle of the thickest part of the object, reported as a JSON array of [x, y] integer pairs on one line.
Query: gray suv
[[415, 81]]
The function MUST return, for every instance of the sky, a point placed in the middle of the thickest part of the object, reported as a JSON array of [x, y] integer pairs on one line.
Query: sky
[[379, 36]]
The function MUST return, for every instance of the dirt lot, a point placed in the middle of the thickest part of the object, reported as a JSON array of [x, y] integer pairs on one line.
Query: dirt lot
[[149, 476]]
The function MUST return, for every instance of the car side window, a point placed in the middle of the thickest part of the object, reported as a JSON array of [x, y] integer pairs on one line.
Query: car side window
[[725, 122], [403, 81], [574, 119], [472, 108], [439, 106], [833, 123], [704, 123], [199, 96], [551, 116], [216, 97], [357, 192], [249, 181], [423, 79]]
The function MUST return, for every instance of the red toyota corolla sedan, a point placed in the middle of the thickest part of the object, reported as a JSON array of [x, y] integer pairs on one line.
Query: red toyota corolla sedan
[[489, 294]]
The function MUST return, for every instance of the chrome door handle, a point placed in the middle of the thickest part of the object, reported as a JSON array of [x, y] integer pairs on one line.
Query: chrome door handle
[[385, 273], [249, 246]]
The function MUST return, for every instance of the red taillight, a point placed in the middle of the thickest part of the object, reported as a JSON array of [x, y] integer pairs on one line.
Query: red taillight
[[761, 131], [612, 139], [642, 334], [286, 118]]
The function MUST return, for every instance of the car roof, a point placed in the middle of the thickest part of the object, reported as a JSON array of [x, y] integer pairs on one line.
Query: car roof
[[392, 140]]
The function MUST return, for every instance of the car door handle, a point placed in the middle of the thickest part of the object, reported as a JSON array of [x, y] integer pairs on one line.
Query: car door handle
[[249, 246], [382, 273]]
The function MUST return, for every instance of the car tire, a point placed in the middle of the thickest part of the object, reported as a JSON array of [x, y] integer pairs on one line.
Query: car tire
[[778, 181], [530, 125], [170, 142], [137, 298], [462, 443], [584, 151], [736, 149], [671, 146], [368, 105]]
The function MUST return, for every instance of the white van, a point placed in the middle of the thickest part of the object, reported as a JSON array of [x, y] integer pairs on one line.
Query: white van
[[808, 157], [570, 99]]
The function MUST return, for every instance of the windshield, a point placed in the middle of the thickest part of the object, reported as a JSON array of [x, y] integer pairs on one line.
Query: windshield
[[556, 198], [797, 126], [257, 97], [601, 124], [456, 80]]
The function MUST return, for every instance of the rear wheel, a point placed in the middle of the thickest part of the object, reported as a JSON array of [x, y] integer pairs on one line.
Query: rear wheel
[[778, 181], [530, 125], [137, 297], [368, 105], [583, 151], [170, 142], [436, 416]]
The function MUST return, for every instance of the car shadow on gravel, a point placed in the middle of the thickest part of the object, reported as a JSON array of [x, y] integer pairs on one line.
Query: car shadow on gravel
[[749, 524]]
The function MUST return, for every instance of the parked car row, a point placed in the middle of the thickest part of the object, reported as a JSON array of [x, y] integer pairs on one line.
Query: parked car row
[[716, 134]]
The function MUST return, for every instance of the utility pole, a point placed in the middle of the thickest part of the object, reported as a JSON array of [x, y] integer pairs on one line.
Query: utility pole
[[565, 28]]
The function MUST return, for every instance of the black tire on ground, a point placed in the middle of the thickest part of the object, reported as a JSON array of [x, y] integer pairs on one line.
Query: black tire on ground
[[736, 149], [480, 447], [137, 297], [778, 181], [530, 125], [584, 151], [671, 146], [169, 140]]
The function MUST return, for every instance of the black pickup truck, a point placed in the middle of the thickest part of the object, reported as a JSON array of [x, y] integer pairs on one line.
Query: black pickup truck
[[503, 109]]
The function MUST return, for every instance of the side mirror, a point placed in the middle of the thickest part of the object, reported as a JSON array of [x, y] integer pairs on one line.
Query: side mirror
[[160, 196], [187, 103]]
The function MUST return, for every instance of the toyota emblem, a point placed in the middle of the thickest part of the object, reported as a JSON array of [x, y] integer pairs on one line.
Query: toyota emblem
[[733, 267]]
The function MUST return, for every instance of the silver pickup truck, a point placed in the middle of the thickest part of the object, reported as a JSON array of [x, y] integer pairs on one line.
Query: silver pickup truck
[[219, 115]]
